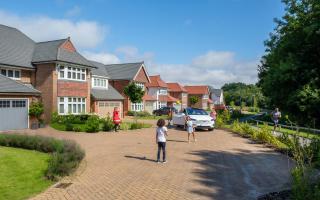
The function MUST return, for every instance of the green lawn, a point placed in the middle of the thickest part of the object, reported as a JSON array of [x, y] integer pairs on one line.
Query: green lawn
[[292, 132], [22, 173]]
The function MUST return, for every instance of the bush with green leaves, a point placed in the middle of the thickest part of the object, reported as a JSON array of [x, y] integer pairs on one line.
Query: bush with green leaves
[[194, 100], [93, 124], [36, 110], [107, 124], [70, 118], [65, 155]]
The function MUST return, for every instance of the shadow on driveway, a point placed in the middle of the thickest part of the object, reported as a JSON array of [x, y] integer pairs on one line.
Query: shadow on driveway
[[140, 158], [240, 174]]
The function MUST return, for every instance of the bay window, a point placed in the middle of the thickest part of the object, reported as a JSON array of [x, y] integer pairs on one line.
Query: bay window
[[137, 106], [71, 73], [71, 105]]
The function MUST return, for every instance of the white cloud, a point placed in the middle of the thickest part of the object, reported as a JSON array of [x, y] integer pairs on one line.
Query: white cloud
[[132, 54], [74, 11], [213, 68], [103, 57], [84, 34], [214, 59]]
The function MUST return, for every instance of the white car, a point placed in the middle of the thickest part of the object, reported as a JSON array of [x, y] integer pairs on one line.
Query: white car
[[200, 118]]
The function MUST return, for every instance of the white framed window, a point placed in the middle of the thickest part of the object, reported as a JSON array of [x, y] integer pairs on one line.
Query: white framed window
[[99, 82], [71, 105], [71, 73], [11, 73], [205, 96], [140, 85], [163, 91], [162, 104], [137, 106]]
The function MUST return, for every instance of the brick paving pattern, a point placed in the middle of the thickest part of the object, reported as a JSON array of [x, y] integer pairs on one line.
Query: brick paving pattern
[[220, 165]]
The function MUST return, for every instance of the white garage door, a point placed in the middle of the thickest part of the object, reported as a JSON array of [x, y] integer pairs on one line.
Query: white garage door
[[106, 108], [13, 114]]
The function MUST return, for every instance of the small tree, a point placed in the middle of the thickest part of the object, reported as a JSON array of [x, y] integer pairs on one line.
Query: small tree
[[36, 110], [134, 92], [193, 100]]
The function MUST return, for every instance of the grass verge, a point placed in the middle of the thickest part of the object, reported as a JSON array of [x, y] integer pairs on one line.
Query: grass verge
[[22, 173]]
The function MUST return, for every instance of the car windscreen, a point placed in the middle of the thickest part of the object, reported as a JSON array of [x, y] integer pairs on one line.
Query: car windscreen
[[194, 111]]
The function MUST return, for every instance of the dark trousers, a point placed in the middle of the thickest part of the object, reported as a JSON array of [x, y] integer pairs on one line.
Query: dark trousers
[[116, 127], [161, 145]]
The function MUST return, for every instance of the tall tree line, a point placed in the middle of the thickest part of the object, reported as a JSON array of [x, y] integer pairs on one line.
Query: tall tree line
[[289, 74]]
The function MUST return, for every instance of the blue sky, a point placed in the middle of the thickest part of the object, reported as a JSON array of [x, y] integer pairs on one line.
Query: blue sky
[[221, 41]]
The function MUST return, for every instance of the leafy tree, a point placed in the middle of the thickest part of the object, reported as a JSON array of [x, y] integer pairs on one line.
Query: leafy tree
[[134, 92], [236, 93], [193, 100], [289, 71]]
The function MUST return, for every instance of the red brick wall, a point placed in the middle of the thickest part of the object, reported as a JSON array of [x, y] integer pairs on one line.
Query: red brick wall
[[27, 76], [141, 76], [68, 88], [45, 84], [119, 85], [68, 46]]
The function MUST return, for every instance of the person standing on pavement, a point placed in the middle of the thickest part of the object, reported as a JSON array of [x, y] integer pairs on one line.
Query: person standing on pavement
[[190, 129], [276, 115], [170, 115], [161, 134], [213, 114], [116, 119]]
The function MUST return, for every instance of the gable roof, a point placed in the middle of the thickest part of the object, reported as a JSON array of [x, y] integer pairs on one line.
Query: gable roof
[[176, 87], [7, 85], [197, 89], [53, 51], [124, 71], [156, 81], [106, 94], [16, 49], [216, 92]]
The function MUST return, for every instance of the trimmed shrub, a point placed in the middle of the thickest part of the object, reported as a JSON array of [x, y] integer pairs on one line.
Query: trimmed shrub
[[93, 124], [66, 155], [143, 114], [70, 118], [131, 113], [107, 124], [69, 126]]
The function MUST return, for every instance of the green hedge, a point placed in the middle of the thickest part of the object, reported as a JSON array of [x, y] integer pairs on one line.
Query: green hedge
[[139, 114], [65, 154]]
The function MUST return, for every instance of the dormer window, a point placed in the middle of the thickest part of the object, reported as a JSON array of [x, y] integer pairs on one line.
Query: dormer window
[[11, 73], [71, 73], [163, 92], [98, 82]]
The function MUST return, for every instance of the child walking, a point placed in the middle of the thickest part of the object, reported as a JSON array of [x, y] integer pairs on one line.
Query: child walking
[[190, 129], [161, 134]]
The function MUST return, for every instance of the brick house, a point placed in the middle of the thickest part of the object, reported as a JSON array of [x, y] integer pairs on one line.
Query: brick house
[[158, 89], [121, 75], [52, 72], [104, 97], [179, 92], [202, 92]]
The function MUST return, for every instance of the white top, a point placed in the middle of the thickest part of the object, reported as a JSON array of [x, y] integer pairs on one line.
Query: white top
[[276, 115], [189, 123], [161, 134]]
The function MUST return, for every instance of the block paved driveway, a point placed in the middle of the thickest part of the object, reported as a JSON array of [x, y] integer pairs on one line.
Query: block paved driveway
[[121, 165]]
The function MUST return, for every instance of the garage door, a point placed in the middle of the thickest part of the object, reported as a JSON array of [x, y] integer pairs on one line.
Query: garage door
[[106, 108], [13, 114]]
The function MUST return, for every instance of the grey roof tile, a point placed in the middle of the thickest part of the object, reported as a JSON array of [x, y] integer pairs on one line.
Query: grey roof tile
[[15, 47], [125, 71], [100, 69], [106, 94], [7, 85]]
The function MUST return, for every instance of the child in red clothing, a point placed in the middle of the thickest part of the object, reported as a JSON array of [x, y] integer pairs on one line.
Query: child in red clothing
[[116, 119]]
